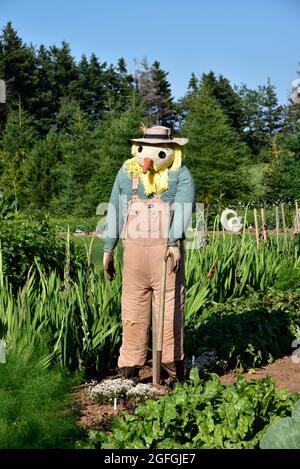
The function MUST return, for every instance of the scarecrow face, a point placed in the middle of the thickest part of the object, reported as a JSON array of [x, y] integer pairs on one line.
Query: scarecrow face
[[154, 157]]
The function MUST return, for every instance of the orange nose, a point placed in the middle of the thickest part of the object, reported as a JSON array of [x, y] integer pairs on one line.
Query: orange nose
[[147, 165]]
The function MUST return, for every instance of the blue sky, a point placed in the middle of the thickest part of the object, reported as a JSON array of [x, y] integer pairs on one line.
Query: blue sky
[[246, 41]]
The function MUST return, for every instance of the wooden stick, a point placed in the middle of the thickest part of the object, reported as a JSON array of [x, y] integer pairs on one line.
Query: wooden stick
[[297, 217], [155, 378], [264, 223], [285, 244], [160, 330], [256, 226], [277, 226]]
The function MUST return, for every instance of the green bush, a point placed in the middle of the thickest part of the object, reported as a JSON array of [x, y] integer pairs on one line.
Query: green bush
[[25, 242], [246, 332], [200, 414], [35, 405]]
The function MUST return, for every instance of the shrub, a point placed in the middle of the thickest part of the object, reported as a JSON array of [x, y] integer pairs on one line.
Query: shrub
[[25, 242]]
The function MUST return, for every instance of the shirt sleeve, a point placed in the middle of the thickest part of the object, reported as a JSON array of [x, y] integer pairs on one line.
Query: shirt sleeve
[[114, 218], [182, 206]]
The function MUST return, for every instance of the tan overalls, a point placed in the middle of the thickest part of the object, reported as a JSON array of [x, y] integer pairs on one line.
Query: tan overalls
[[144, 250]]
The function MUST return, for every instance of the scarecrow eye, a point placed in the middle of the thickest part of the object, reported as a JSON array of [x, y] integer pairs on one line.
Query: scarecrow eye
[[140, 149], [162, 154]]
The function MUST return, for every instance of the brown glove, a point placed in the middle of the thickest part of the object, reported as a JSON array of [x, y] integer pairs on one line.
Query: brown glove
[[108, 264], [174, 253]]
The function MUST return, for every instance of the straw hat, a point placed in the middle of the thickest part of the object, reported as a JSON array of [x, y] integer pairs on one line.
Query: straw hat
[[157, 135]]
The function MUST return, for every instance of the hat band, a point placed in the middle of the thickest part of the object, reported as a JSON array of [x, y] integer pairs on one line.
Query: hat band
[[158, 136]]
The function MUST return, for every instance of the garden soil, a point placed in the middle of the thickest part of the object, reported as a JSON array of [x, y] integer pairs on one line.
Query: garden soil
[[93, 416]]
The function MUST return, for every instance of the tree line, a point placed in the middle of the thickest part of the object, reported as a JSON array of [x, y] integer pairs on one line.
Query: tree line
[[65, 126]]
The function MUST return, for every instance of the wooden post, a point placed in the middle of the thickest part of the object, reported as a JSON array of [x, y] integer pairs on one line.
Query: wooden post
[[297, 219], [285, 244], [160, 325], [256, 226], [277, 226], [264, 223], [155, 377]]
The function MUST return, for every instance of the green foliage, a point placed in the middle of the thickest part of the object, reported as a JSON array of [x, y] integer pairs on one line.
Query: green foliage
[[200, 414], [23, 243], [78, 321], [35, 406], [42, 162], [81, 318], [227, 97], [282, 175], [216, 156], [288, 278], [155, 91], [284, 434], [79, 161], [113, 151], [17, 140], [245, 331]]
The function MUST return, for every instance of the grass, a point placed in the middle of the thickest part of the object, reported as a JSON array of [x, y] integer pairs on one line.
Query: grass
[[35, 404]]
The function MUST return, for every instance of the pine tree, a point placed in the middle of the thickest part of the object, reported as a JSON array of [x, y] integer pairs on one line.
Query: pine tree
[[272, 113], [164, 100], [78, 161], [113, 151], [64, 72], [155, 91], [253, 118], [282, 174], [17, 140], [43, 161], [18, 68], [215, 154], [227, 98], [44, 104]]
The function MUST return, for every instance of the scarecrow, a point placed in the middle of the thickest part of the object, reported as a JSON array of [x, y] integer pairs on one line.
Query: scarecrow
[[150, 208]]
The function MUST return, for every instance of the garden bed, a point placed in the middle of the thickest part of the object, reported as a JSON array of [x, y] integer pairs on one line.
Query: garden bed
[[95, 416]]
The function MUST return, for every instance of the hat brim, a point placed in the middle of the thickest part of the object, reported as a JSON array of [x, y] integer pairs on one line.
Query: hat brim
[[156, 141]]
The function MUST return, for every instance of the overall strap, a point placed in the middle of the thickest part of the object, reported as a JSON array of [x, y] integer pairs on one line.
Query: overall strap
[[135, 183]]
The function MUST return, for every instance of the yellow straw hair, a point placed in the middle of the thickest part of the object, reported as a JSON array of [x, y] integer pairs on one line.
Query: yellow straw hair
[[153, 181]]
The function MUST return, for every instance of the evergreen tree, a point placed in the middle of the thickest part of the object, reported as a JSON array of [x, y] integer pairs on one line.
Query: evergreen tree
[[17, 140], [164, 100], [63, 73], [18, 68], [227, 97], [113, 151], [253, 118], [120, 90], [78, 161], [215, 154], [43, 160], [90, 87], [272, 113], [155, 91], [182, 106], [44, 104], [282, 174]]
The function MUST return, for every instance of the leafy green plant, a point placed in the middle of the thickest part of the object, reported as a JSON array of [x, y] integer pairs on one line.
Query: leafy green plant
[[200, 414], [25, 242], [78, 320], [244, 331], [284, 434]]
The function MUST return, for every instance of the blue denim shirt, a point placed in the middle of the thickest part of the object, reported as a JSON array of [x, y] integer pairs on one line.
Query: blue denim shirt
[[181, 192]]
